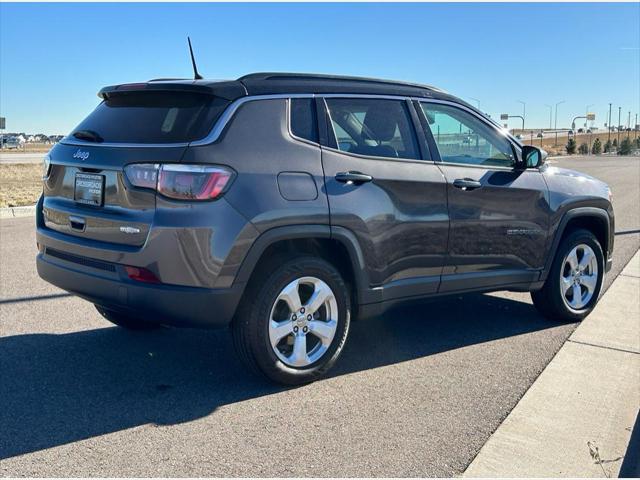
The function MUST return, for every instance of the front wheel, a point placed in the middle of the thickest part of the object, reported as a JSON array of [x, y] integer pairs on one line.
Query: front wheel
[[574, 281], [293, 322]]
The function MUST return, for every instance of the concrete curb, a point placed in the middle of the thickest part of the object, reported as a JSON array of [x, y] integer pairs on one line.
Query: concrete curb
[[577, 418], [13, 212]]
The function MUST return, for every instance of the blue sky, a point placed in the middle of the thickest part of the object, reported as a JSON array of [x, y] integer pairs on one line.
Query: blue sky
[[55, 57]]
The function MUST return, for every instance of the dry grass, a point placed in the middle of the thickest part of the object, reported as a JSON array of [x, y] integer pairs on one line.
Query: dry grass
[[30, 148], [549, 140], [20, 184]]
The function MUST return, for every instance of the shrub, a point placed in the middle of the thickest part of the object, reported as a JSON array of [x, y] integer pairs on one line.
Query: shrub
[[596, 148], [615, 143], [625, 147], [607, 146], [583, 149], [571, 146]]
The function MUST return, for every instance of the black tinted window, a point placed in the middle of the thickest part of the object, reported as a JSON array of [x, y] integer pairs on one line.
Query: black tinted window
[[379, 128], [154, 117], [303, 119]]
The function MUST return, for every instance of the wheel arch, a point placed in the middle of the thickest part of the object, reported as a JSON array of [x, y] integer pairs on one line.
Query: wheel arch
[[336, 245], [594, 219]]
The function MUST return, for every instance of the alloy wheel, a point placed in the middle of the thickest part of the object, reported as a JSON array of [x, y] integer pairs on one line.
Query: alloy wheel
[[303, 321]]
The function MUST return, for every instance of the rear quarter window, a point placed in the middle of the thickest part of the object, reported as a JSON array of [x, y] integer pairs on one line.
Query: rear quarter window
[[154, 117], [304, 122]]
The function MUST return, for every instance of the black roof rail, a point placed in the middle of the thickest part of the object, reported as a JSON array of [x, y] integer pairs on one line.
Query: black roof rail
[[315, 76]]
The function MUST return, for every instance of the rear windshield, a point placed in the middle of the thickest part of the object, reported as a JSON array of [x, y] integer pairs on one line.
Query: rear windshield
[[153, 117]]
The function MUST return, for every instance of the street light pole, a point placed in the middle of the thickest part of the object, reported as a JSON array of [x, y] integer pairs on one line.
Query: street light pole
[[619, 113], [586, 124], [586, 111], [550, 115], [477, 101], [524, 112], [609, 125], [556, 122]]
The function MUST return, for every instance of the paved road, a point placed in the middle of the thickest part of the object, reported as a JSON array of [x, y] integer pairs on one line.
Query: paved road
[[8, 158], [417, 392]]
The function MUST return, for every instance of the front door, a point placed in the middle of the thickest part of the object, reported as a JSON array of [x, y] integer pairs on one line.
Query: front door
[[381, 189], [499, 215]]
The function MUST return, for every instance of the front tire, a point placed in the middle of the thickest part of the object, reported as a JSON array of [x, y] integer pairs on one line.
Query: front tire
[[125, 321], [293, 321], [574, 282]]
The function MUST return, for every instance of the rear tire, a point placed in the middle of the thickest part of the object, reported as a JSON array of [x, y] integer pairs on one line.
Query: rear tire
[[125, 321], [570, 294], [293, 321]]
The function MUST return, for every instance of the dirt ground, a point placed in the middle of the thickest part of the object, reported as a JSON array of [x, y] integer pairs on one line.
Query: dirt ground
[[20, 184]]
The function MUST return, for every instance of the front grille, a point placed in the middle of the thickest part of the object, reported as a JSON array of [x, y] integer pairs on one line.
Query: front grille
[[87, 262]]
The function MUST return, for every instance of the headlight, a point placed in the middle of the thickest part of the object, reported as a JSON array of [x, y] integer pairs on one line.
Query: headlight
[[46, 167]]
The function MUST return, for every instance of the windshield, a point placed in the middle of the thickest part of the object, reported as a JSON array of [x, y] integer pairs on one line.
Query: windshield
[[151, 117]]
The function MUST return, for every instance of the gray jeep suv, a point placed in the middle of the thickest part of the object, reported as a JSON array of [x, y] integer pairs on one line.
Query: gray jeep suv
[[284, 205]]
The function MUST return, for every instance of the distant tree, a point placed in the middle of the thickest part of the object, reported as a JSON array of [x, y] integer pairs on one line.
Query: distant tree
[[637, 142], [596, 148], [615, 143], [571, 146], [607, 146], [583, 148], [625, 147]]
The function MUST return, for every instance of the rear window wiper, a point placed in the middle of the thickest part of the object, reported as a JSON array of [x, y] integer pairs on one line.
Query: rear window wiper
[[88, 135]]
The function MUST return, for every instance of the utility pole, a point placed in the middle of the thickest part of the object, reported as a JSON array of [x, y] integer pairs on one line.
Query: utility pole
[[524, 112], [619, 113], [609, 125], [556, 122], [550, 115], [629, 126]]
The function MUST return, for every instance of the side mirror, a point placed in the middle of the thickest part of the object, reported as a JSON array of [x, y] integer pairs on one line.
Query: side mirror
[[532, 157]]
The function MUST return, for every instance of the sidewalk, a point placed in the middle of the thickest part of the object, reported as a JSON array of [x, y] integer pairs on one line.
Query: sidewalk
[[589, 392]]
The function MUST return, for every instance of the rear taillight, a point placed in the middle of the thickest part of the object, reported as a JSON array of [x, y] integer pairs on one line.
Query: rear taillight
[[180, 182], [144, 175]]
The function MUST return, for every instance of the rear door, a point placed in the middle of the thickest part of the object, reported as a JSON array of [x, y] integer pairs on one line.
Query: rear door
[[86, 192], [383, 188], [499, 214]]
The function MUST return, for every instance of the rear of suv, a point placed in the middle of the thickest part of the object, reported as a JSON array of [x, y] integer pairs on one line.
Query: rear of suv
[[284, 205]]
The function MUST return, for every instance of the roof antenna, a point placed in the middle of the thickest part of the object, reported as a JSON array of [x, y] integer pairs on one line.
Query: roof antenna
[[196, 75]]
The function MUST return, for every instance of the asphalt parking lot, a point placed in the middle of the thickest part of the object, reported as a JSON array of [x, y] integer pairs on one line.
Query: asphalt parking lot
[[416, 393]]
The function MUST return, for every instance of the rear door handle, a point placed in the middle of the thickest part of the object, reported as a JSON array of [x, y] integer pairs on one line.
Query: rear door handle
[[466, 184], [353, 177]]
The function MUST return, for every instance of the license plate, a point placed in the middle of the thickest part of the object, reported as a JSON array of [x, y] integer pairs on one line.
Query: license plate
[[89, 189]]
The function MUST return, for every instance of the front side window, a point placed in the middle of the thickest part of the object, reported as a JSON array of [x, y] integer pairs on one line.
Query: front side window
[[373, 127], [463, 138]]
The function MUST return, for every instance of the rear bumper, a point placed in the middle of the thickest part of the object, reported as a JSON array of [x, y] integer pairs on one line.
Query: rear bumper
[[107, 284]]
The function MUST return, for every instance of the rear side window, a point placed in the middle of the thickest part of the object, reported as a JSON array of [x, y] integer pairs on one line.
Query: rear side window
[[154, 117], [379, 128], [304, 122]]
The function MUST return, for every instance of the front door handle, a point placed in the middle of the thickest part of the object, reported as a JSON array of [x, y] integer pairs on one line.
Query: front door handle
[[466, 184], [353, 177]]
